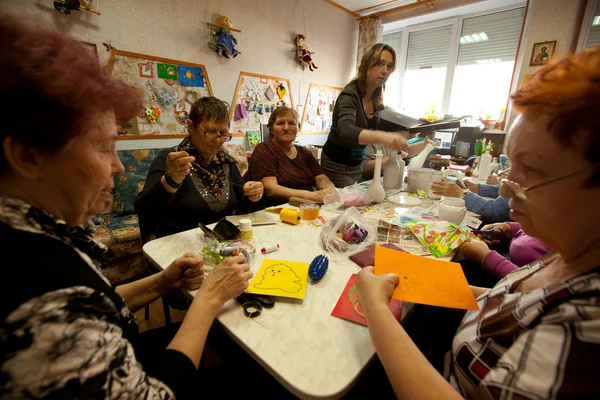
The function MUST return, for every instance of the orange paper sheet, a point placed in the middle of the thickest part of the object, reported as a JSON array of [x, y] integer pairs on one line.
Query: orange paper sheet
[[426, 281]]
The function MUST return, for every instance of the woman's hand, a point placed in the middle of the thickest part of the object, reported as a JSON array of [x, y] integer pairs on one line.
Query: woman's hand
[[493, 179], [187, 272], [254, 190], [474, 251], [472, 186], [319, 195], [178, 165], [445, 188], [226, 281], [505, 226], [395, 141], [374, 291]]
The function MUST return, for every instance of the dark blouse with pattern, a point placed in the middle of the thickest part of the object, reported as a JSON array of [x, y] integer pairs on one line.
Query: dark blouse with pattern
[[64, 332], [298, 173]]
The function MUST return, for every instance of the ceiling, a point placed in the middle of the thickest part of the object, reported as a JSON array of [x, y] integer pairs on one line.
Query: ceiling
[[362, 8]]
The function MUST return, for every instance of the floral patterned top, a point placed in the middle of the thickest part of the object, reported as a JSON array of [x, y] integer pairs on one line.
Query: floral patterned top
[[64, 332]]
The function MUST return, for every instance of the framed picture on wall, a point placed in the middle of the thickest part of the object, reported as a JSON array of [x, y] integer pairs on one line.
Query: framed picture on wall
[[542, 53]]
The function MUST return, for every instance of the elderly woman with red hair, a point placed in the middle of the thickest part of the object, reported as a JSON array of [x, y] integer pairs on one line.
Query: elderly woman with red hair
[[64, 331], [537, 333]]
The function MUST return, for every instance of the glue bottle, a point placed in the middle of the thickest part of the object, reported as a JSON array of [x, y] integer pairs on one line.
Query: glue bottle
[[246, 232], [484, 164]]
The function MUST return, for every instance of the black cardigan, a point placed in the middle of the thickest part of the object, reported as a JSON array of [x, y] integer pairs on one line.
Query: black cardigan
[[167, 213]]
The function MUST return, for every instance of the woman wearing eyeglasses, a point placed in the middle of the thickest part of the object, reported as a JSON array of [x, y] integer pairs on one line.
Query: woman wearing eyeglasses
[[196, 181], [537, 332]]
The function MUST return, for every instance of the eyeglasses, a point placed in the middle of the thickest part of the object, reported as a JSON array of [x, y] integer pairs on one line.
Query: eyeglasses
[[212, 135], [519, 191]]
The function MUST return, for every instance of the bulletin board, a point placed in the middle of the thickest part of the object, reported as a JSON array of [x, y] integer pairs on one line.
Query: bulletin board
[[169, 86], [256, 97], [318, 109]]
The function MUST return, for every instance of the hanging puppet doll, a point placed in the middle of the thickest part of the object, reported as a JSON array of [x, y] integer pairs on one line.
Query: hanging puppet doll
[[304, 55], [225, 43]]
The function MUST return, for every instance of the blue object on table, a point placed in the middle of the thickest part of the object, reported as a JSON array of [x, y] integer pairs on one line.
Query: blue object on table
[[318, 267], [256, 302]]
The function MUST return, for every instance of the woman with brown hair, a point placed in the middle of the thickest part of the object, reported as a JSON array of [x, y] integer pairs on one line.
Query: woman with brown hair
[[354, 125], [536, 334], [284, 168]]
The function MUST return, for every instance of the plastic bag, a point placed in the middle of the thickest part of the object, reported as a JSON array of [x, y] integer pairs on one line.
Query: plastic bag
[[214, 252], [344, 198], [348, 234]]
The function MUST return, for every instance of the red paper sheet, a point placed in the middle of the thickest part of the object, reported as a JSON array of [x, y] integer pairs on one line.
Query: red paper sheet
[[351, 310]]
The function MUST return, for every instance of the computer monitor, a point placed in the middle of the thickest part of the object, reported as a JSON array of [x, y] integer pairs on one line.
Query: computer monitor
[[443, 140]]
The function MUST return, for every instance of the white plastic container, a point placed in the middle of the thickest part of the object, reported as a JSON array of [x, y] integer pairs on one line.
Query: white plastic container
[[419, 160], [452, 209], [401, 169], [375, 191], [484, 165], [419, 179], [436, 176], [390, 171]]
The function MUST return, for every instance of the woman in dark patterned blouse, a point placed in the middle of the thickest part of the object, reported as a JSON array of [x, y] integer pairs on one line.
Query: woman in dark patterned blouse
[[285, 169], [65, 333]]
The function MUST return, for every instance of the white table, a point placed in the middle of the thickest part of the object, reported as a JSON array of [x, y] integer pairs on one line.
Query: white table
[[311, 353]]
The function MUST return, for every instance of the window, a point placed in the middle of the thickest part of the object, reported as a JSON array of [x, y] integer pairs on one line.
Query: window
[[425, 74], [485, 65], [594, 35], [458, 66]]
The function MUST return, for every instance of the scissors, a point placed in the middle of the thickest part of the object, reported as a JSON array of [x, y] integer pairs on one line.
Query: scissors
[[490, 234], [254, 303]]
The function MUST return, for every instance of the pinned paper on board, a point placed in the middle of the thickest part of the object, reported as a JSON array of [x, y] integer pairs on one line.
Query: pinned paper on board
[[280, 278], [426, 281], [349, 308]]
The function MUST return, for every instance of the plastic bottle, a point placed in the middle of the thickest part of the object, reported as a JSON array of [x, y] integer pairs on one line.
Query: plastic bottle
[[375, 191], [246, 232], [494, 166], [500, 121], [401, 166], [417, 161], [484, 164], [390, 171]]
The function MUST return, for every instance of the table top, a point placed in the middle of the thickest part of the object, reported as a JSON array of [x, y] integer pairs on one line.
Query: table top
[[313, 354]]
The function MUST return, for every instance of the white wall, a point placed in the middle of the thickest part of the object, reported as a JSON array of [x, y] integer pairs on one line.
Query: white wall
[[177, 29]]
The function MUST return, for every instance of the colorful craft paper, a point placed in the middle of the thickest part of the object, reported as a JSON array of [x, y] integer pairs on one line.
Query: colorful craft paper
[[280, 278], [425, 280], [166, 71], [348, 307], [190, 76], [253, 138], [440, 237]]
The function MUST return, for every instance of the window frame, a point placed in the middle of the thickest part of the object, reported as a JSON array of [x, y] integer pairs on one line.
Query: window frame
[[457, 23], [586, 24]]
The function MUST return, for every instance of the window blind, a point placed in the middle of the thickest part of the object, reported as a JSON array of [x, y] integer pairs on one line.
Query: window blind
[[395, 41], [428, 48], [594, 37], [491, 38]]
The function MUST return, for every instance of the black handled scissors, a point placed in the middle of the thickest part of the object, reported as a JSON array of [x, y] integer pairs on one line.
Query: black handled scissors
[[254, 303]]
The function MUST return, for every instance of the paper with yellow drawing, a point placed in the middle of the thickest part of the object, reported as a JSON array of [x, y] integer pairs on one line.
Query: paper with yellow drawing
[[280, 278]]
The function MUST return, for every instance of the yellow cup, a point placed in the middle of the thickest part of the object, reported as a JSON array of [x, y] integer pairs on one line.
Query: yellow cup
[[309, 212]]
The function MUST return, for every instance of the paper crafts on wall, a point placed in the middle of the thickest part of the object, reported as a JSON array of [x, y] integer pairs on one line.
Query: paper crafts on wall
[[426, 281], [318, 109], [280, 278], [349, 308], [168, 89], [259, 95]]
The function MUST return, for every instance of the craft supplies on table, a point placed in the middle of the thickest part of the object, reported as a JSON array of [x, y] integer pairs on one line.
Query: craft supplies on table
[[290, 216], [309, 211], [246, 232], [269, 249], [280, 278]]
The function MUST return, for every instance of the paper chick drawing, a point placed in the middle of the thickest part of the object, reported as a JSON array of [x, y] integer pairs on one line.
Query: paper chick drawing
[[280, 278]]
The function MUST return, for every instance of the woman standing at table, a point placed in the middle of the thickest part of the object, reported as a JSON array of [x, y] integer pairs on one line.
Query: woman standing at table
[[196, 181], [537, 333], [65, 332], [354, 125], [285, 169]]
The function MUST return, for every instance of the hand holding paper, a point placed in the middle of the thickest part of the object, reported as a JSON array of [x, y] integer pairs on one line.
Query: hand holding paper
[[426, 281]]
